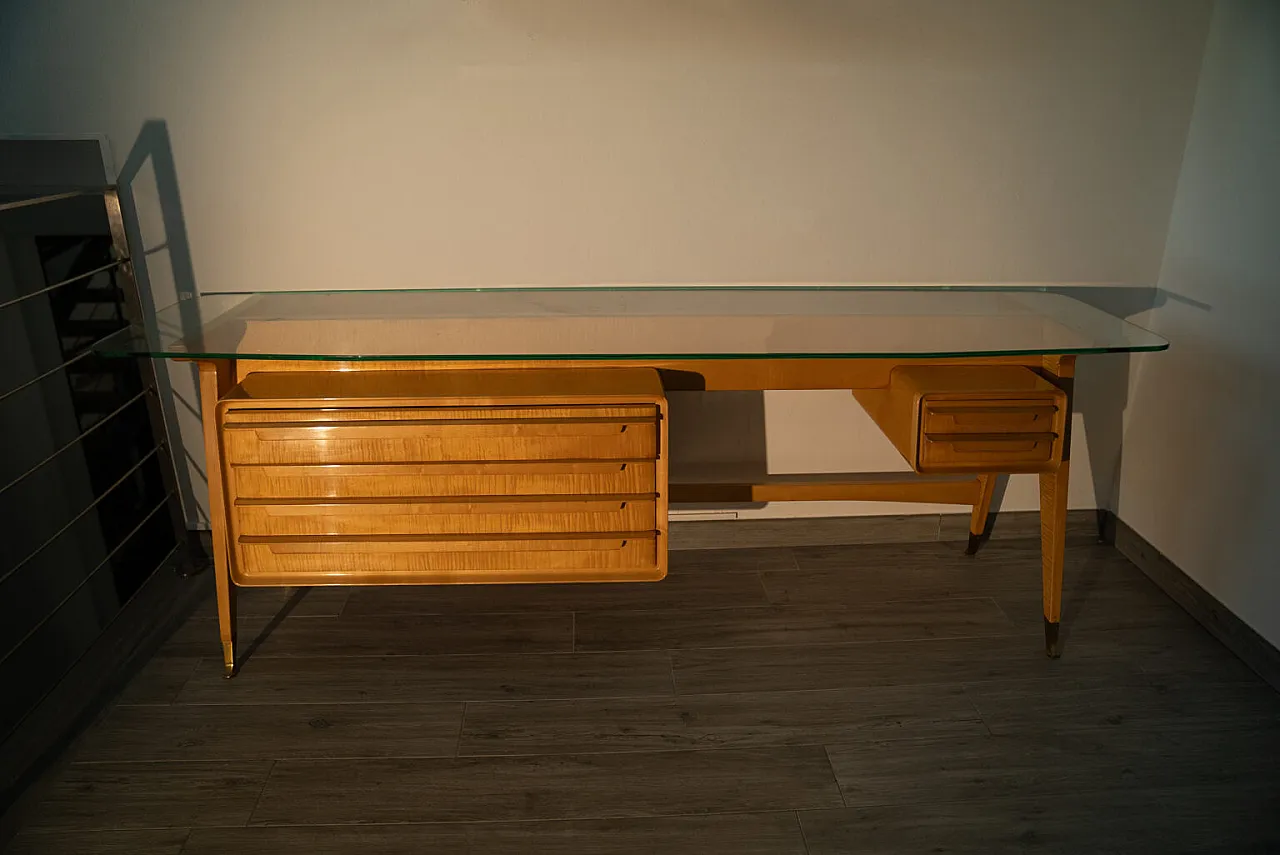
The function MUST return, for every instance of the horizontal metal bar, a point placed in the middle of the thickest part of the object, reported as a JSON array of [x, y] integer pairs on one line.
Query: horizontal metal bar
[[103, 563], [52, 197], [108, 417], [55, 369], [132, 469], [109, 266]]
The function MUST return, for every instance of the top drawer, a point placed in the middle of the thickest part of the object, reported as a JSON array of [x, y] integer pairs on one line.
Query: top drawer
[[1029, 415], [417, 436]]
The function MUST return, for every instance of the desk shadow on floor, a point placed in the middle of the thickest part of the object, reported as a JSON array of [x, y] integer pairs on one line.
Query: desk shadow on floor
[[295, 599]]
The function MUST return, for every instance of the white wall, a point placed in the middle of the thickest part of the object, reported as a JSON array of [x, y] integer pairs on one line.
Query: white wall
[[390, 144], [1201, 472]]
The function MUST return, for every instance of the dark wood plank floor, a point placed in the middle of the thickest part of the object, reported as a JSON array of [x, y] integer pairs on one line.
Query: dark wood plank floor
[[875, 698]]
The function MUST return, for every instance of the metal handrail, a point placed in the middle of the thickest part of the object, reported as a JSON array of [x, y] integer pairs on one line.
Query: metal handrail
[[88, 351], [135, 313], [52, 197], [103, 563], [45, 290], [57, 534], [93, 427]]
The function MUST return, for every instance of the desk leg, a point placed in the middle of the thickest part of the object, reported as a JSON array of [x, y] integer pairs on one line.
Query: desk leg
[[1061, 371], [978, 521], [215, 381], [1053, 530]]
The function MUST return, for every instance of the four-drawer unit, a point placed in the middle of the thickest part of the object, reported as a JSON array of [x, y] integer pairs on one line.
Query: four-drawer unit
[[958, 419], [408, 477]]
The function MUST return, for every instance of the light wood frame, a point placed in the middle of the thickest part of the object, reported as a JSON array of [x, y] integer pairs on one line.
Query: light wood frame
[[218, 377]]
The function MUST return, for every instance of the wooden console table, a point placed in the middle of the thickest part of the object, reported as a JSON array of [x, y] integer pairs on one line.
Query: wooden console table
[[520, 435]]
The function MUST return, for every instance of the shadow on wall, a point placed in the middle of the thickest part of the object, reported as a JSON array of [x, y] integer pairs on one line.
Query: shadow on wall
[[152, 147], [1102, 387], [1100, 392]]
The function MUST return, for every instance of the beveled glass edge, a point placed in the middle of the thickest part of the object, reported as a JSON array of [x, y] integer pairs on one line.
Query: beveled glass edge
[[106, 350], [131, 334], [1038, 289]]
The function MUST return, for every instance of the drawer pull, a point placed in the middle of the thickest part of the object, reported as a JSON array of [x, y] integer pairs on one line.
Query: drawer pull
[[993, 409], [442, 480], [555, 541], [362, 443], [990, 437], [436, 423], [389, 501]]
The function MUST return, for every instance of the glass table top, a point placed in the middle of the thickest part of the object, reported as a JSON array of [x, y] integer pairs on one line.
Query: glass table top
[[722, 322]]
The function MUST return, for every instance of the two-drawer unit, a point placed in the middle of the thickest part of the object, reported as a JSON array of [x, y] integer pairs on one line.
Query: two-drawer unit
[[961, 419], [401, 477]]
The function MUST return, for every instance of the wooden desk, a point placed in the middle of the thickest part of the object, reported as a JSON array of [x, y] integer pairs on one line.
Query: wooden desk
[[521, 435]]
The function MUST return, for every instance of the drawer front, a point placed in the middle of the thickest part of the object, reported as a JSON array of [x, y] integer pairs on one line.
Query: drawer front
[[381, 480], [977, 416], [994, 452], [445, 441], [463, 517], [632, 556]]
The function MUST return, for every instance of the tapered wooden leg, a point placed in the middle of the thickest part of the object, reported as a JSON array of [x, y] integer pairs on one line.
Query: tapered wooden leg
[[978, 522], [1053, 529], [227, 620], [215, 379]]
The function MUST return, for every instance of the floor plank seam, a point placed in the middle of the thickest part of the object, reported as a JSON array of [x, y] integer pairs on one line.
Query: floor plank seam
[[831, 766], [804, 840], [928, 600], [693, 695], [433, 823], [185, 680], [462, 727], [1026, 634], [620, 608], [973, 702], [1009, 617], [764, 589], [378, 758], [309, 657], [266, 779], [714, 749]]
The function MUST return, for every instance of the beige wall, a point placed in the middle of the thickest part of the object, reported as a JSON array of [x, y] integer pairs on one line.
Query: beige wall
[[1201, 475], [448, 143]]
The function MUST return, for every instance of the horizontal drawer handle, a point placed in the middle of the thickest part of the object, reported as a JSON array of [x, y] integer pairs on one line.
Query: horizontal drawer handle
[[390, 423], [990, 437], [515, 499], [540, 466], [408, 543], [570, 411], [1047, 409], [447, 538]]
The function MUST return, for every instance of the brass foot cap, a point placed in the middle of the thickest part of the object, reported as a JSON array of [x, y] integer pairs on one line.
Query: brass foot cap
[[1052, 646]]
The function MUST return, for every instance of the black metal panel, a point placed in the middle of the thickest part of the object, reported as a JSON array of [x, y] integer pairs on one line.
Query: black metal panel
[[83, 487]]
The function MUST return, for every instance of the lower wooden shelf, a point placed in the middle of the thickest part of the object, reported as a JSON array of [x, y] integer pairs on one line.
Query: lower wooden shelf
[[714, 488]]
